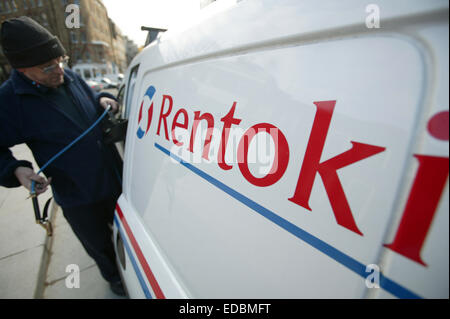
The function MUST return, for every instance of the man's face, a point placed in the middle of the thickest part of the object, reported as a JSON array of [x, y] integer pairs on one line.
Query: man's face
[[50, 74]]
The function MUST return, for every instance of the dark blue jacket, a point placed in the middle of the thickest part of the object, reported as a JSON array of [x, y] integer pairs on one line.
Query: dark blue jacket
[[87, 172]]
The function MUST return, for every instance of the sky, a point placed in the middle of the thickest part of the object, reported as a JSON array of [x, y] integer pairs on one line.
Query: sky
[[130, 15]]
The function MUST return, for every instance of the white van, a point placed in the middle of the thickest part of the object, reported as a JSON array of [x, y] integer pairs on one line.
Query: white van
[[289, 149]]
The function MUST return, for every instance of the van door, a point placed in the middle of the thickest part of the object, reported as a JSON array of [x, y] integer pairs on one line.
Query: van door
[[279, 168]]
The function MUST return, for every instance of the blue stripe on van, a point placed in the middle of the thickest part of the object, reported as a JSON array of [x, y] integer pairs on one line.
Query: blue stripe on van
[[144, 287], [345, 260]]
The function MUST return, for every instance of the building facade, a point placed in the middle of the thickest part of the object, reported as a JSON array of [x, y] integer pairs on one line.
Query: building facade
[[94, 43], [131, 50]]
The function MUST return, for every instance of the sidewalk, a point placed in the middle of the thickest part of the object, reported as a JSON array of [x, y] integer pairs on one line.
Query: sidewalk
[[33, 265]]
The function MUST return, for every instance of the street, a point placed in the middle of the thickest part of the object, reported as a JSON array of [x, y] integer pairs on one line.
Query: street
[[36, 266]]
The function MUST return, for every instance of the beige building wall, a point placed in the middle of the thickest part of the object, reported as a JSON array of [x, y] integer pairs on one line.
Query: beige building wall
[[119, 47]]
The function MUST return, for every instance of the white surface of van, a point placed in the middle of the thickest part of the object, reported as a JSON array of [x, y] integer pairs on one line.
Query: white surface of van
[[334, 178]]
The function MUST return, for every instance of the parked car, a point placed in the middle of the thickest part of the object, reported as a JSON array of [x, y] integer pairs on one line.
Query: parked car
[[289, 149], [108, 84], [96, 86]]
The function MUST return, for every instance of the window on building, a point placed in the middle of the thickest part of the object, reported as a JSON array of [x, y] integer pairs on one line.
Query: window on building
[[8, 6], [14, 5], [100, 54], [39, 2], [87, 56], [73, 37], [33, 4], [76, 56], [83, 36], [44, 19], [25, 4]]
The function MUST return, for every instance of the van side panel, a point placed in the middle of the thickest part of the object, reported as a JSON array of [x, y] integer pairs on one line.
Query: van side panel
[[208, 235], [278, 164]]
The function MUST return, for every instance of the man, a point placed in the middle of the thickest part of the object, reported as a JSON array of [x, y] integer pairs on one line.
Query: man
[[46, 106]]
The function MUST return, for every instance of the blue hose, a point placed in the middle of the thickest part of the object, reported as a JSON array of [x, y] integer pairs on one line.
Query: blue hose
[[33, 192]]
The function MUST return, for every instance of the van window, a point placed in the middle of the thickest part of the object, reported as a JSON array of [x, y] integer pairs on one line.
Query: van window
[[130, 90], [87, 74], [120, 97]]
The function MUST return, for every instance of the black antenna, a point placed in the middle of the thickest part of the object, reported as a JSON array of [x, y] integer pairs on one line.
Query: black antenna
[[152, 34]]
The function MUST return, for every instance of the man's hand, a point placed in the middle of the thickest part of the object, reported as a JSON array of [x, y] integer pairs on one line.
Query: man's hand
[[105, 101], [25, 175]]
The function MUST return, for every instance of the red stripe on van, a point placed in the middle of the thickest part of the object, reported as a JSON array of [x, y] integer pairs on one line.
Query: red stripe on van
[[148, 272]]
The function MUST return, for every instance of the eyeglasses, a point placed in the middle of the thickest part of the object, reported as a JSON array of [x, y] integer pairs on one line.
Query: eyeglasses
[[61, 64]]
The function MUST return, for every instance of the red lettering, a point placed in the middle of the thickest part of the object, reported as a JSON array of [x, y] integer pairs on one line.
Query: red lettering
[[149, 116], [421, 206], [281, 158], [163, 116], [227, 120], [175, 123], [438, 126], [210, 120], [328, 169]]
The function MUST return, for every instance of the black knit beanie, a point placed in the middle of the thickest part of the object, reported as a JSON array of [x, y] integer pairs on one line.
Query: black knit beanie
[[26, 43]]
